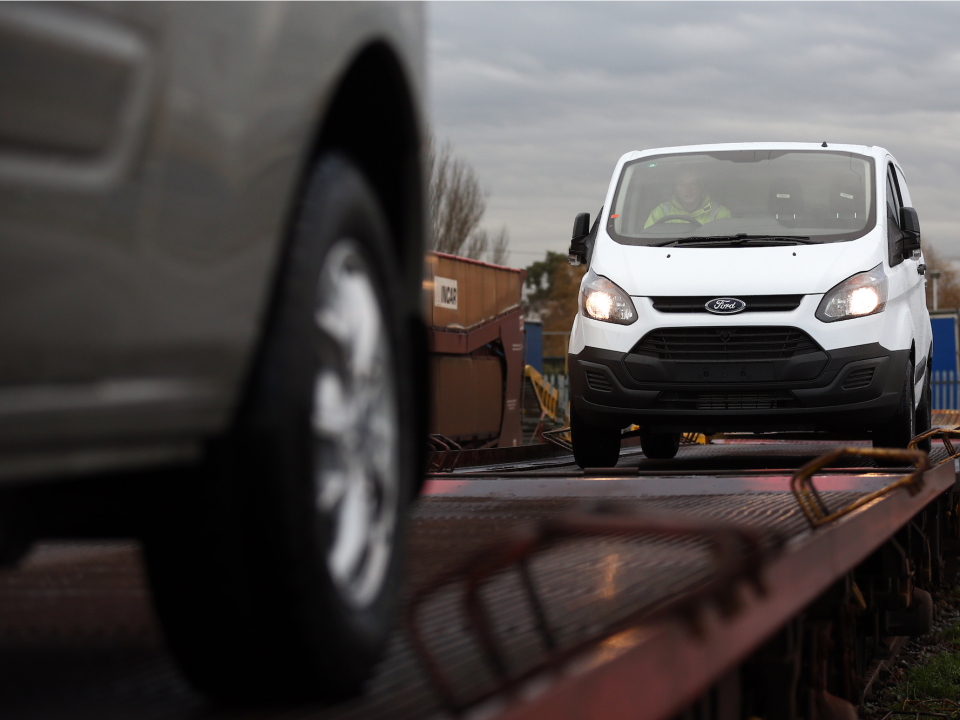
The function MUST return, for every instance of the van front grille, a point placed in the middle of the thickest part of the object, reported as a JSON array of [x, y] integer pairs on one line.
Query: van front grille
[[858, 379], [725, 401], [598, 381], [754, 303], [725, 343]]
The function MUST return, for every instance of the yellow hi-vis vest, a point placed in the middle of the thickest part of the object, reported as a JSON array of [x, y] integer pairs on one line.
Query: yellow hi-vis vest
[[707, 212]]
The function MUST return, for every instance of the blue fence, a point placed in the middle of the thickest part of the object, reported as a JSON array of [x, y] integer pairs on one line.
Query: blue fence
[[533, 345], [562, 384], [946, 395]]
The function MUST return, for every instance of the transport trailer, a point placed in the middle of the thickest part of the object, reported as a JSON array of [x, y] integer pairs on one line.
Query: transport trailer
[[750, 579]]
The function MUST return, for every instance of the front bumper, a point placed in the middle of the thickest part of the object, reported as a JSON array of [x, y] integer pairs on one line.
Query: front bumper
[[851, 389]]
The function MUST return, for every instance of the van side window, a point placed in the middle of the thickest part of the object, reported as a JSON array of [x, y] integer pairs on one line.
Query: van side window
[[592, 237], [905, 200], [894, 236], [902, 186]]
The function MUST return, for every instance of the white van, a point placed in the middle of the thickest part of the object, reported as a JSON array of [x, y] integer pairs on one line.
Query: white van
[[750, 287]]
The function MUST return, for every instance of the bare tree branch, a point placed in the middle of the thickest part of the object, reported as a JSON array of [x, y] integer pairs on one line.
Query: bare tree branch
[[499, 246], [476, 245], [457, 201], [457, 204]]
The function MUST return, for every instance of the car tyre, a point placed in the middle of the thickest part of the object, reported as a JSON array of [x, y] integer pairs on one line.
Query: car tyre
[[279, 576], [593, 446], [924, 420], [900, 430], [660, 446]]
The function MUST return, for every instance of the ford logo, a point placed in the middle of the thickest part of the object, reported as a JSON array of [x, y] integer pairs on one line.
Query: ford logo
[[725, 306]]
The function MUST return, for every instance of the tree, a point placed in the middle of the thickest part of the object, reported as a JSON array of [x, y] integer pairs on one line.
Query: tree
[[948, 284], [553, 285], [499, 246], [457, 205]]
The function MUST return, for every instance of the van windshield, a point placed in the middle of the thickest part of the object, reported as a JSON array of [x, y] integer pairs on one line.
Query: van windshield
[[744, 197]]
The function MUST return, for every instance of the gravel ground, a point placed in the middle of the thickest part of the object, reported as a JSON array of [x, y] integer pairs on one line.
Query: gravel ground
[[926, 674]]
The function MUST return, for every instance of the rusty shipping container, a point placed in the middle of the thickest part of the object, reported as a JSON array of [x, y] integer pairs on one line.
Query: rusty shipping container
[[475, 322]]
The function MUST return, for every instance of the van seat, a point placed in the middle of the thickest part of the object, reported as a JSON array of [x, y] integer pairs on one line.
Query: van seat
[[846, 201], [785, 201]]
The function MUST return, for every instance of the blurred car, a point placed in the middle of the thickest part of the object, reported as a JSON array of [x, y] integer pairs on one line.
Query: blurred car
[[211, 247]]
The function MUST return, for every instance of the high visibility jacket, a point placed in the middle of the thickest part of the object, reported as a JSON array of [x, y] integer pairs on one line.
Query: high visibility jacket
[[707, 211]]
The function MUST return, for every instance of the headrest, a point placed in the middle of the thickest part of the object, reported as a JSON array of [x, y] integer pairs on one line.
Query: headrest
[[846, 195], [786, 198]]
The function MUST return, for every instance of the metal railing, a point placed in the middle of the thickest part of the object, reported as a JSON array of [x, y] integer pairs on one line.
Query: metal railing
[[562, 385], [945, 390], [811, 502]]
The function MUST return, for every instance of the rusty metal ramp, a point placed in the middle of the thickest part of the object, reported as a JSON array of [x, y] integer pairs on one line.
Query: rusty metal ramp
[[723, 457], [545, 587]]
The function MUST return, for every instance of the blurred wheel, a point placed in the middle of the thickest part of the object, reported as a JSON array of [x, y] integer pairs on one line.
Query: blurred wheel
[[593, 446], [281, 577], [355, 426], [660, 446]]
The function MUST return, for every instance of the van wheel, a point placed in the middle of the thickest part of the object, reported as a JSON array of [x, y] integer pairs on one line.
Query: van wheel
[[924, 420], [660, 446], [593, 447], [899, 431], [278, 576]]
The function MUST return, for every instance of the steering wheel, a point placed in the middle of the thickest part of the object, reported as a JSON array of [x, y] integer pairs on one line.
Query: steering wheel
[[685, 218]]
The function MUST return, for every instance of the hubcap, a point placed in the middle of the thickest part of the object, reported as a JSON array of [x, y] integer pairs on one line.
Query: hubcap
[[355, 426]]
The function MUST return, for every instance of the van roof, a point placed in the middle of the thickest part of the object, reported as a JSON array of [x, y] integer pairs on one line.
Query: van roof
[[870, 150]]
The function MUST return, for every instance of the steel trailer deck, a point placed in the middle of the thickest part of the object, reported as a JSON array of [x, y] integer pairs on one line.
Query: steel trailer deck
[[78, 638]]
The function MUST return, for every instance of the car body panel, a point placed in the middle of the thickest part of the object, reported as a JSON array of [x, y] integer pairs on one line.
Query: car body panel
[[137, 265], [798, 269]]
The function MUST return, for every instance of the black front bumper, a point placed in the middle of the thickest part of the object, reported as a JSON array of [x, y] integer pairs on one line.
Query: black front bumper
[[852, 390]]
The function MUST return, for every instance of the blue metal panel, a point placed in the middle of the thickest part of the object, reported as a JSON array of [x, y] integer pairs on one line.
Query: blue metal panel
[[944, 343], [944, 362], [944, 390], [533, 345]]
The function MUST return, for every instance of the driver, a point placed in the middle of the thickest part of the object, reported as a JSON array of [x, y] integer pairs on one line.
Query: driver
[[689, 199]]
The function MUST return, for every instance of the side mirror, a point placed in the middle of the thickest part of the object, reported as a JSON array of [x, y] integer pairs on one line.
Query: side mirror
[[910, 227], [578, 245]]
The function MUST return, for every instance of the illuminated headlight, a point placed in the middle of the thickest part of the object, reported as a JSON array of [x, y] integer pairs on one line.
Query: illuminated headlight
[[863, 294], [601, 299]]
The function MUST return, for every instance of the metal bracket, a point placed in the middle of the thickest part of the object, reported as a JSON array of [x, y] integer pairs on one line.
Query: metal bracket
[[813, 506], [554, 436], [444, 447], [943, 434]]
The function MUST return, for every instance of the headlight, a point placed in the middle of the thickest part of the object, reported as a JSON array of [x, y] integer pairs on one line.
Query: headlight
[[601, 299], [857, 296]]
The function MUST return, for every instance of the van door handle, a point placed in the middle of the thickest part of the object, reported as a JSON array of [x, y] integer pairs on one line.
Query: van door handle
[[921, 269]]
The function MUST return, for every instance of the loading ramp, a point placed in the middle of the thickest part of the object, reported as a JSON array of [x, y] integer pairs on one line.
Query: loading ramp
[[652, 582]]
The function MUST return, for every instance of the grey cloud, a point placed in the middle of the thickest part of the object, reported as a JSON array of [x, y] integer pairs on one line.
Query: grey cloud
[[544, 97]]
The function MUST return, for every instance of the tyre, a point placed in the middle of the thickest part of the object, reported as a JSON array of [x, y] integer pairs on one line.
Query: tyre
[[280, 578], [924, 419], [660, 446], [898, 432], [593, 447]]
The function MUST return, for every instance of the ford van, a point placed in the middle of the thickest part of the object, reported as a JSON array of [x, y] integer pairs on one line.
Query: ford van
[[755, 287]]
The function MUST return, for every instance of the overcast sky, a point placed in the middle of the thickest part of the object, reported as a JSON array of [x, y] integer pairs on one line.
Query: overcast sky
[[543, 98]]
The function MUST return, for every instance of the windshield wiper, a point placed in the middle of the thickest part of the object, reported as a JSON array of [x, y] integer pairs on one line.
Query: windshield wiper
[[741, 239]]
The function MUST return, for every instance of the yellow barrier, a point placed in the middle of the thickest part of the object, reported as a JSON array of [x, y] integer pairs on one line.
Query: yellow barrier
[[547, 395]]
